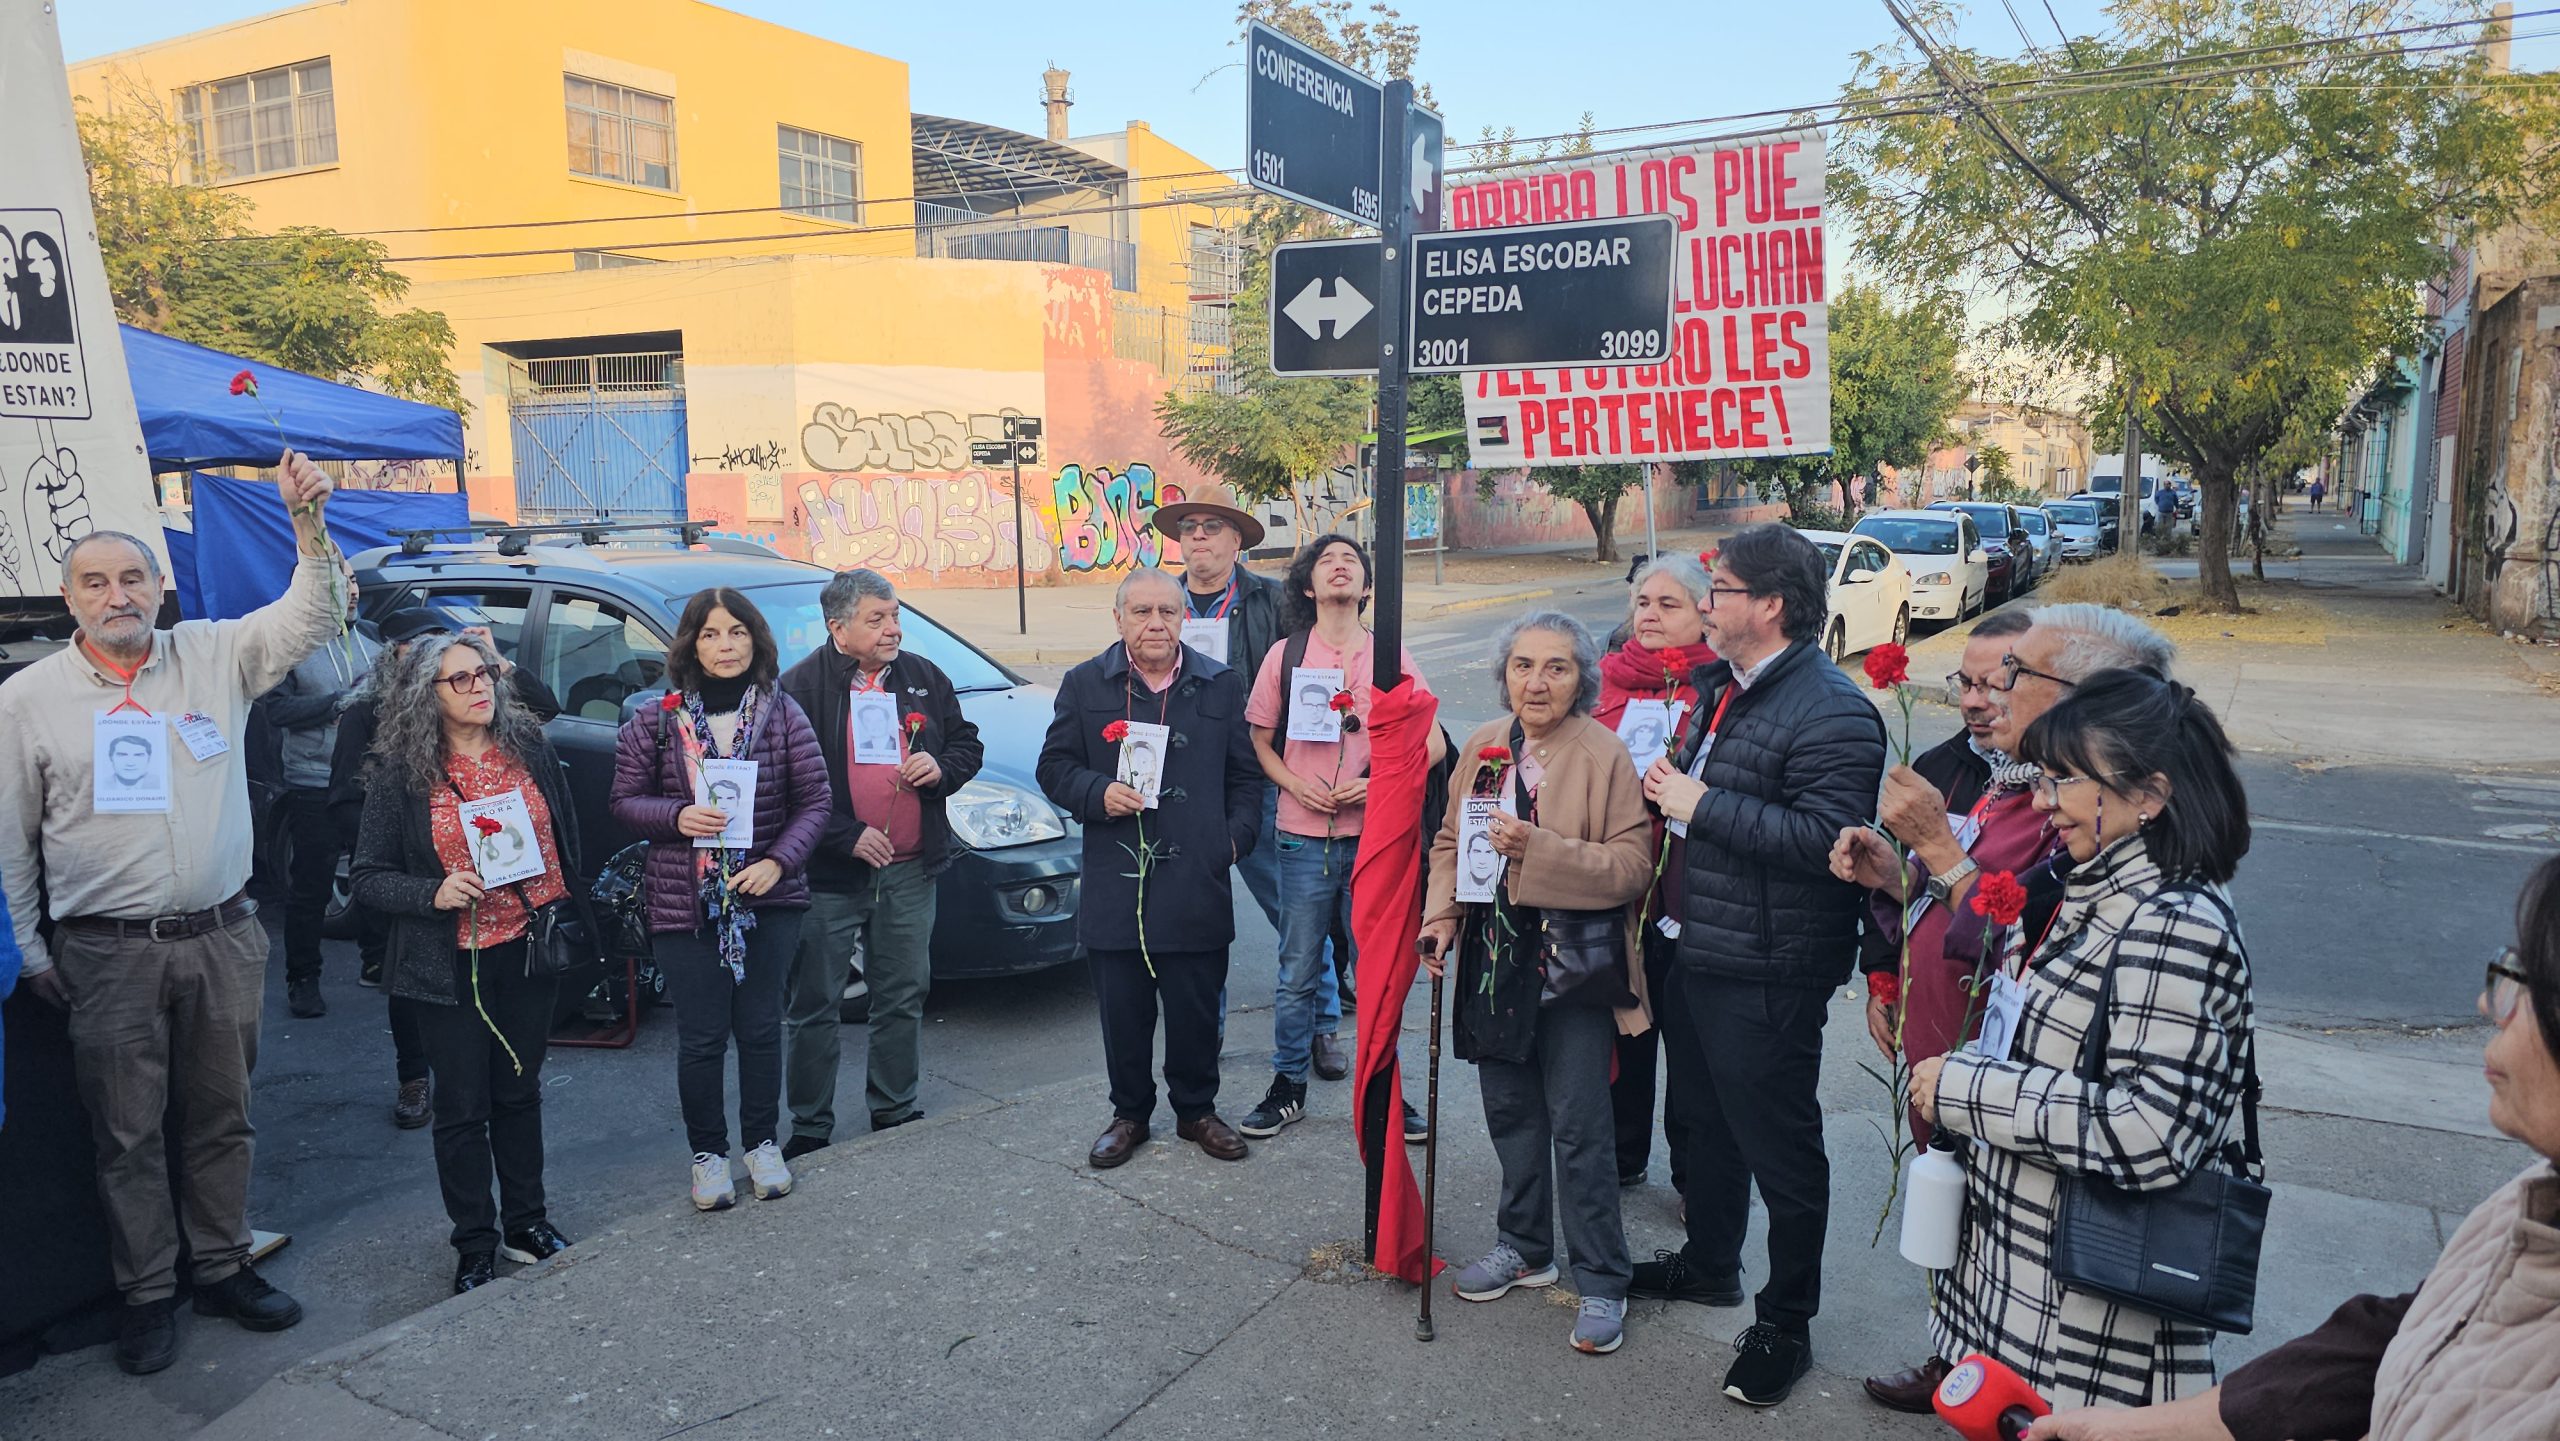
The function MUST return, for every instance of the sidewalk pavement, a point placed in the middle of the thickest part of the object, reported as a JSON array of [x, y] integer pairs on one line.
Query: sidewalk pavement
[[1070, 623]]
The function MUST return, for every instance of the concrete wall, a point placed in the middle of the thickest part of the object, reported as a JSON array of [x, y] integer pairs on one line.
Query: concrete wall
[[2511, 461]]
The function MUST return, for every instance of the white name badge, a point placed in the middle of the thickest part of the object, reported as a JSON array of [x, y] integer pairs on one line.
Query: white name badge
[[875, 729], [1479, 864], [729, 786], [1207, 635], [505, 851], [2002, 1005], [203, 738], [1644, 727], [129, 754], [1142, 753], [1311, 713]]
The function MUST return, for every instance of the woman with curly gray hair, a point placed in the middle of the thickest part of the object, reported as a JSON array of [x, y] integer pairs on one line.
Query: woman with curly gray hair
[[1546, 974], [451, 733]]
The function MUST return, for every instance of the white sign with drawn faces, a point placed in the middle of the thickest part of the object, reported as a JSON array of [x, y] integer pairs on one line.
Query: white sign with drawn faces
[[130, 754], [1142, 753], [1479, 864], [504, 851]]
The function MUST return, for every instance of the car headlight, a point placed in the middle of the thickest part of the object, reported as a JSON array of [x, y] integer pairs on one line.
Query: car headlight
[[1935, 577], [990, 815]]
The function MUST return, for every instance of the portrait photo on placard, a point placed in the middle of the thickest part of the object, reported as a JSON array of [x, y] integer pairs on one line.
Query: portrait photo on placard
[[130, 753], [1311, 713], [1645, 727], [875, 729], [1479, 864], [1142, 753]]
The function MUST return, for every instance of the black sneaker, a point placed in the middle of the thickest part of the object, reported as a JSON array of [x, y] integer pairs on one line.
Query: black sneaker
[[1769, 1364], [1670, 1277], [302, 997], [370, 973], [245, 1297], [538, 1242], [1286, 1101], [147, 1338], [475, 1270], [1416, 1130], [799, 1146]]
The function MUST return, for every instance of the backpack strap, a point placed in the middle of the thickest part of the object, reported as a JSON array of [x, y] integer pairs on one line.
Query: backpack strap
[[1293, 653]]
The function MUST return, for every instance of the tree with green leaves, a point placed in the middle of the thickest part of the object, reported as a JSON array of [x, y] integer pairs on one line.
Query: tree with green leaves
[[184, 259], [2221, 203], [1893, 386]]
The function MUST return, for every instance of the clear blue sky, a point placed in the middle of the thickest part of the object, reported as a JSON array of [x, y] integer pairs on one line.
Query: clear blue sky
[[1534, 67]]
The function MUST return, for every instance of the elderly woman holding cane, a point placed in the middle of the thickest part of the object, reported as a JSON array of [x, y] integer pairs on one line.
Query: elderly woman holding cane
[[456, 760], [1547, 975]]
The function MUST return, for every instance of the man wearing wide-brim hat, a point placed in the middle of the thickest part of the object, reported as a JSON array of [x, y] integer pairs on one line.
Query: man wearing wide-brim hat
[[1212, 539]]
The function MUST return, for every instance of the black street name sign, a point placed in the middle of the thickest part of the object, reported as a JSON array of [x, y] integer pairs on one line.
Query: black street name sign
[[1324, 307], [1527, 297], [991, 452], [1312, 127]]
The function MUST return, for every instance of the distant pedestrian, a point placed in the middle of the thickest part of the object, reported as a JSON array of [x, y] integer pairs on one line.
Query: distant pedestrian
[[1156, 913], [877, 866], [2319, 488], [725, 918], [156, 949], [451, 733], [304, 710]]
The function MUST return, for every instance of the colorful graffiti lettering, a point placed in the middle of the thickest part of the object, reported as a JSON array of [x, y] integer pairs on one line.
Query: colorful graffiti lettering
[[838, 437], [918, 524], [1102, 519]]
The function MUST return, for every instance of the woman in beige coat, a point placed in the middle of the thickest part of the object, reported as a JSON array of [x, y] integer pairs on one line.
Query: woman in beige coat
[[1571, 841]]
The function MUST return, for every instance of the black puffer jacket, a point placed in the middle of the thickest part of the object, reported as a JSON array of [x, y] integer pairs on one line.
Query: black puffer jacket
[[1799, 755]]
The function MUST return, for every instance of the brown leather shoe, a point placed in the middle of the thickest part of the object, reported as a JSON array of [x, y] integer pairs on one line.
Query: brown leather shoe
[[1909, 1391], [1333, 1062], [1215, 1137], [1118, 1142]]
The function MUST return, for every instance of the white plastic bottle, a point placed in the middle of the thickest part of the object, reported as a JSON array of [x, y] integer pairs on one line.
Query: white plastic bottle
[[1933, 1206]]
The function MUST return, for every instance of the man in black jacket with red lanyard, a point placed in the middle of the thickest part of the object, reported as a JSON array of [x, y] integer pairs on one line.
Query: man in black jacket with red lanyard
[[1784, 751], [873, 878], [1161, 835]]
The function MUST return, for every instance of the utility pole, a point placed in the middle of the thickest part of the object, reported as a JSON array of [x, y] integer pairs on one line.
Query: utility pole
[[1395, 229]]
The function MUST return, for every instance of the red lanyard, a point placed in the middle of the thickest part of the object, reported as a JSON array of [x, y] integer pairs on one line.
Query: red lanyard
[[126, 676], [1716, 722], [1224, 602], [877, 678]]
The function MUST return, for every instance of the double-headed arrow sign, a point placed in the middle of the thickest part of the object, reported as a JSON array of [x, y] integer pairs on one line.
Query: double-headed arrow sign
[[1580, 292]]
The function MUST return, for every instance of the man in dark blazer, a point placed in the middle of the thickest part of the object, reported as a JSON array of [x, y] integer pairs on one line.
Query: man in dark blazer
[[873, 878], [1156, 912]]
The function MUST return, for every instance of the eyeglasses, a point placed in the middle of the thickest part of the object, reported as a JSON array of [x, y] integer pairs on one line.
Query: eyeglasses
[[2504, 992], [2048, 788], [1716, 590], [2011, 668], [1203, 527], [464, 682], [1958, 683]]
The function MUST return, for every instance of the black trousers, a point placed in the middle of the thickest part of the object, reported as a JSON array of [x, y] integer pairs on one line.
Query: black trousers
[[1186, 985], [408, 1048], [1631, 1095], [1746, 1061], [315, 864], [488, 1111], [712, 1010]]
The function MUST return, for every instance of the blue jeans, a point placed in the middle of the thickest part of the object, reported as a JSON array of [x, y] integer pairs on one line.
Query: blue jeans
[[1315, 892]]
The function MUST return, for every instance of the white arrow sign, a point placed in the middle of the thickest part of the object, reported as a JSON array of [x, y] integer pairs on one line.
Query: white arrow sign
[[1424, 181], [1311, 309]]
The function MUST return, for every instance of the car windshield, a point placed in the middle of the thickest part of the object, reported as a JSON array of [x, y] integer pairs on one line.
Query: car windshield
[[1993, 519], [2032, 521], [1912, 537], [2074, 514], [1830, 553], [800, 627]]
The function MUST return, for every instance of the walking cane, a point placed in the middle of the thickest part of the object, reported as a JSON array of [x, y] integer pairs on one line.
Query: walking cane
[[1430, 1164]]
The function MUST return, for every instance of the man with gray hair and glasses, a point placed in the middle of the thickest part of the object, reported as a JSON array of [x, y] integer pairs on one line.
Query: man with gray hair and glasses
[[157, 952], [873, 877]]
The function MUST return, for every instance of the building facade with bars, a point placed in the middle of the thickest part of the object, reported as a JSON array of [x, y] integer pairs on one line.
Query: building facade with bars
[[699, 265]]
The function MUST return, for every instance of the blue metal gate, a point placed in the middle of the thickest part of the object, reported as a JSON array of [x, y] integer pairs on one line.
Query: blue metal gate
[[598, 436]]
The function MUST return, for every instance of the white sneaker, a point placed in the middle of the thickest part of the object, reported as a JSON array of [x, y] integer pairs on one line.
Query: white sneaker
[[765, 1168], [711, 1188]]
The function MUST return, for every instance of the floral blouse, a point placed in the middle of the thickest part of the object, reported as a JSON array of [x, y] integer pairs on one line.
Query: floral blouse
[[502, 914]]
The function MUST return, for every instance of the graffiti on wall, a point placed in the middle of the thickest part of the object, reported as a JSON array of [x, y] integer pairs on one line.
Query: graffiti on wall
[[840, 437], [1104, 522], [928, 525]]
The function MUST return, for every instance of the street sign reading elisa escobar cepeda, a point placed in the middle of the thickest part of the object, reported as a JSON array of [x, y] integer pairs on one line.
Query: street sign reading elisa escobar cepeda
[[1583, 292]]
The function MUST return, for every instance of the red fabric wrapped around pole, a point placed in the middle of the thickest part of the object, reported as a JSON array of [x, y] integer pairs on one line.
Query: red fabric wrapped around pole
[[1386, 914]]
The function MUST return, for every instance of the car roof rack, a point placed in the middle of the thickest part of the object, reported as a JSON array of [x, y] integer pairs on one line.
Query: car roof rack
[[514, 540]]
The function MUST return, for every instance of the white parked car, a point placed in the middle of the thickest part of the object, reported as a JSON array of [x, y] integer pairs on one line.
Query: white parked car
[[2075, 523], [1870, 594], [1950, 570]]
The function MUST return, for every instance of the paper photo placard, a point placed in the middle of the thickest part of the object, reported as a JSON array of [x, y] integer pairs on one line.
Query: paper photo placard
[[1311, 713], [129, 757], [1644, 727], [1142, 753], [730, 786], [1479, 864], [506, 851], [875, 729], [1207, 635]]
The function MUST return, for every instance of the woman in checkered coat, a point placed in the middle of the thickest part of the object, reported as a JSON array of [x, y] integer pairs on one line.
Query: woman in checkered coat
[[2138, 781]]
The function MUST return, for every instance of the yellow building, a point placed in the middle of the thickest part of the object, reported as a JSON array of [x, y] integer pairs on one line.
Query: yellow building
[[700, 265]]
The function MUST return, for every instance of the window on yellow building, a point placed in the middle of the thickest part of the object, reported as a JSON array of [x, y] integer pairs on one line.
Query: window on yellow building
[[616, 133], [821, 175], [261, 123]]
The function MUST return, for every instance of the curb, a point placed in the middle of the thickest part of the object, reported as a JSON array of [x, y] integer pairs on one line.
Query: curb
[[1483, 602]]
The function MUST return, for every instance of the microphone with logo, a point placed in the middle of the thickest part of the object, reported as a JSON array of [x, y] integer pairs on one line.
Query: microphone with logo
[[1986, 1401]]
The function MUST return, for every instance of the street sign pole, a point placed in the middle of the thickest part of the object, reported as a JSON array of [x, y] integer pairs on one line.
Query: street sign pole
[[1021, 551], [1395, 239]]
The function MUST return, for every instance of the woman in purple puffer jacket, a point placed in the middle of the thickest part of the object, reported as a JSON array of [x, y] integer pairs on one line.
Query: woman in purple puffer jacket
[[726, 888]]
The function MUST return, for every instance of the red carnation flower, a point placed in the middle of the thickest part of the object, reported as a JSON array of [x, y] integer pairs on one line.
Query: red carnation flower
[[486, 825], [915, 720], [1888, 665], [670, 701], [1884, 986], [1342, 702], [2000, 898], [1707, 558], [244, 384], [1116, 732], [1494, 755]]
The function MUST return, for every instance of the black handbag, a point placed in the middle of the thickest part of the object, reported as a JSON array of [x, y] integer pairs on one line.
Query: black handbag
[[2188, 1253], [620, 894], [555, 939], [1584, 957]]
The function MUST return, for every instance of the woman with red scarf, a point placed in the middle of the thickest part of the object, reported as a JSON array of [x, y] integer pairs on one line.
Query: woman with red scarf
[[1666, 645]]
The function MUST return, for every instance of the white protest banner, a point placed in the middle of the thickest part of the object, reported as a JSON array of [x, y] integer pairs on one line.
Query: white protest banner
[[1750, 367]]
